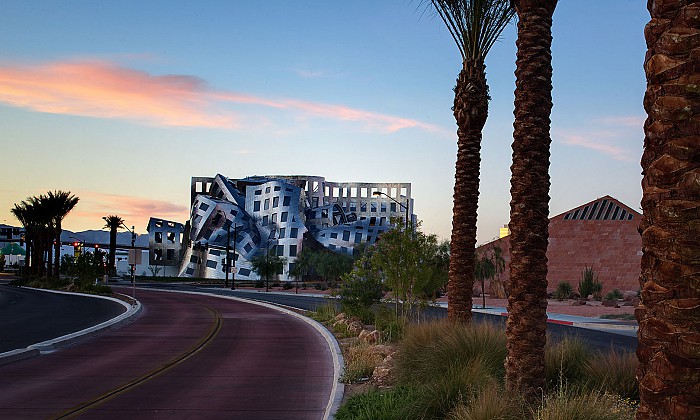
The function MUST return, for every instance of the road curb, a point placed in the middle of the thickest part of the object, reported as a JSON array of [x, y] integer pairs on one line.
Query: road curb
[[338, 389], [48, 346]]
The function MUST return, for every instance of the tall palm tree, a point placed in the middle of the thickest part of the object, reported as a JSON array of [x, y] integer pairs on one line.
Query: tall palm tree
[[58, 204], [113, 223], [529, 206], [668, 316], [475, 25]]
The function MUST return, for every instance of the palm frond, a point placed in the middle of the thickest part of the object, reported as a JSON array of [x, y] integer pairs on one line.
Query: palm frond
[[475, 25]]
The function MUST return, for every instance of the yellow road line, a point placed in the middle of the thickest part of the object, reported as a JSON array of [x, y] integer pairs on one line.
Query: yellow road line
[[82, 408]]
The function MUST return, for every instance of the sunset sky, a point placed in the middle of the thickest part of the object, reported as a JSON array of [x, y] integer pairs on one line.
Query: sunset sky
[[121, 103]]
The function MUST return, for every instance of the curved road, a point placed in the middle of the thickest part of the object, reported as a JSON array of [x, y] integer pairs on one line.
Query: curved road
[[29, 316], [187, 356], [600, 340]]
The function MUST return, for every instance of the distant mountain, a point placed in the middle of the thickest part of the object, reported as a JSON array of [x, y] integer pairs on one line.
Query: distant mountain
[[102, 237]]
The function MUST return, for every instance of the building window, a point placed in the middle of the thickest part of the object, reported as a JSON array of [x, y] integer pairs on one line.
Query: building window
[[363, 206], [346, 235], [265, 220], [266, 206], [170, 254], [282, 231], [287, 199], [393, 207], [211, 264], [334, 235], [383, 206], [256, 206], [258, 192], [277, 188], [267, 190], [292, 250], [203, 207], [280, 250], [284, 216], [275, 202], [331, 247], [159, 237], [247, 247], [244, 272], [358, 237], [294, 232]]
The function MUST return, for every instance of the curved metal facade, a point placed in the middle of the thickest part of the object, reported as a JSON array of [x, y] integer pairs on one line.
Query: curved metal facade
[[258, 213]]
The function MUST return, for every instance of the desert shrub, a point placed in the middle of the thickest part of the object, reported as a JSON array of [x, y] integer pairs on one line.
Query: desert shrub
[[324, 312], [493, 402], [389, 324], [614, 295], [563, 291], [360, 362], [578, 404], [565, 362], [259, 284], [376, 405], [287, 285], [589, 284], [320, 286], [427, 350], [613, 371]]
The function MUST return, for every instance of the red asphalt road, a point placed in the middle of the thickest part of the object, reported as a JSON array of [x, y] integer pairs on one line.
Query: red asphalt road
[[261, 364]]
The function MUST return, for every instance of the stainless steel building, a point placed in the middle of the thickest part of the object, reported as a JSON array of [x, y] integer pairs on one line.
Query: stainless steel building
[[260, 213]]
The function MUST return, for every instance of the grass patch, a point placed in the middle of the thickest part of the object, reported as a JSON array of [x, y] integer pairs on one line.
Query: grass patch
[[376, 405], [565, 362], [613, 372], [626, 317], [577, 404]]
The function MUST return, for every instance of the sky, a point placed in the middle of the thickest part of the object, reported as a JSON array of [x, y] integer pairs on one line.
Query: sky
[[121, 103]]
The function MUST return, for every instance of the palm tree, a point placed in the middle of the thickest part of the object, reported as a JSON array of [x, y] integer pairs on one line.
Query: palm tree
[[57, 204], [475, 25], [113, 223], [529, 206], [668, 316]]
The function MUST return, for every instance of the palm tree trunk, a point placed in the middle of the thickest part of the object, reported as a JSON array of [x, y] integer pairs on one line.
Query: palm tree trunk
[[668, 316], [529, 206], [470, 111], [112, 250], [57, 250]]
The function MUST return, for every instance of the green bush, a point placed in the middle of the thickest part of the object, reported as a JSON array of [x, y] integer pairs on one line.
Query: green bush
[[614, 294], [259, 284], [589, 284], [287, 285], [358, 295], [563, 291], [324, 313]]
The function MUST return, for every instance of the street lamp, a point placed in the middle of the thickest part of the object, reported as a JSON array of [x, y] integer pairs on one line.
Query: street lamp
[[228, 261], [377, 193]]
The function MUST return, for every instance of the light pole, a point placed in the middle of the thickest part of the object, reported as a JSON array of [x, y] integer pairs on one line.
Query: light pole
[[132, 254], [397, 202]]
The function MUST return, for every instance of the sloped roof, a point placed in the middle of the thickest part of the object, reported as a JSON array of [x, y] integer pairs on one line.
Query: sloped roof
[[603, 208]]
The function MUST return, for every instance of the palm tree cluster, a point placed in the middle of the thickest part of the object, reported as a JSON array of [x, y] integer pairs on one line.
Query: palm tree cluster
[[41, 218]]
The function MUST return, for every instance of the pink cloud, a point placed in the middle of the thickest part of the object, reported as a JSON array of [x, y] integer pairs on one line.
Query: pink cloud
[[625, 121], [100, 89], [591, 142], [104, 90], [135, 211]]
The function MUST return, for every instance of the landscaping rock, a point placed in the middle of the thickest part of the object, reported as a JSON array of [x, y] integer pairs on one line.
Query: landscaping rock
[[612, 303], [629, 295], [355, 327], [382, 376], [370, 337]]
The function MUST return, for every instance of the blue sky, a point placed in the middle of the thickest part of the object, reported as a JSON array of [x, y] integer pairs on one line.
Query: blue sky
[[122, 102]]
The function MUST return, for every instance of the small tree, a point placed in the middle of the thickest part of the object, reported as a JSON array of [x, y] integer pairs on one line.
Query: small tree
[[589, 284], [487, 266], [411, 263], [267, 265], [361, 289]]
